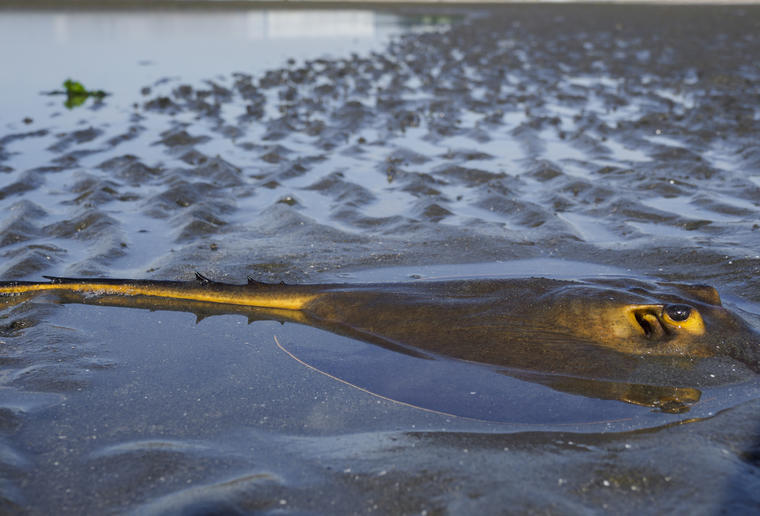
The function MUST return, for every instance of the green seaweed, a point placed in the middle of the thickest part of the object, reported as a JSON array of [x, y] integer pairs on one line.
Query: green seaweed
[[77, 94]]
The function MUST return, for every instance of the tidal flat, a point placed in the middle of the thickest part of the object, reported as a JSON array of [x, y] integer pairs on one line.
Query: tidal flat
[[396, 143]]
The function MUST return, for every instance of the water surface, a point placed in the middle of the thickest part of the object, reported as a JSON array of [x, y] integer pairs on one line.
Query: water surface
[[521, 140]]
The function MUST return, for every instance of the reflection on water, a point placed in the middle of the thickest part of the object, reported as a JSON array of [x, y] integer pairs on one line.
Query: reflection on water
[[310, 24], [67, 27]]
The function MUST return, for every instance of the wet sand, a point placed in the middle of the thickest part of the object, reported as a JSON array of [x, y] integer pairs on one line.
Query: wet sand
[[622, 137]]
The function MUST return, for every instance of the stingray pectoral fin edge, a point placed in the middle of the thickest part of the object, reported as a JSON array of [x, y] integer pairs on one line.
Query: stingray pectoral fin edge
[[362, 389]]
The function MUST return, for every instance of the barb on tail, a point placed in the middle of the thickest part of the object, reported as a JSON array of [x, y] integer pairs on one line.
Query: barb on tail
[[202, 279]]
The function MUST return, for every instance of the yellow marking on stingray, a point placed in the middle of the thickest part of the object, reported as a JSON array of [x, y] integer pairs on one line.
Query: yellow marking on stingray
[[657, 313], [274, 300], [631, 311]]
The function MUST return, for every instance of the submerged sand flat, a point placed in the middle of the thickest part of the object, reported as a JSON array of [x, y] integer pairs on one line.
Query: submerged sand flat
[[362, 145]]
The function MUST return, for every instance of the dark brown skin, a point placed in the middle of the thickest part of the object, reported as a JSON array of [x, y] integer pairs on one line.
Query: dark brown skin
[[587, 337]]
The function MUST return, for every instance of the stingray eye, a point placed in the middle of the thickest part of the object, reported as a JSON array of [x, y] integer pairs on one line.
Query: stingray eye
[[677, 313], [682, 318]]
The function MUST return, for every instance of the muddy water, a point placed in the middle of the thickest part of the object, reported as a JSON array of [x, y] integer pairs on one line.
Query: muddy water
[[547, 140]]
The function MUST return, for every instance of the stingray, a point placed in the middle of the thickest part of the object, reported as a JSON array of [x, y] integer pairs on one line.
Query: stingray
[[606, 338]]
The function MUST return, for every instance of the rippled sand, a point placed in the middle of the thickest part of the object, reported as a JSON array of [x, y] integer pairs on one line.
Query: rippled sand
[[622, 137]]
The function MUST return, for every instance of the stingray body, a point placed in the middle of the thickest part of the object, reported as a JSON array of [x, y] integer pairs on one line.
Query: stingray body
[[587, 337]]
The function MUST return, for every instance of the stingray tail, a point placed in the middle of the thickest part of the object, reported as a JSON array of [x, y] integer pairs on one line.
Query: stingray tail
[[253, 294]]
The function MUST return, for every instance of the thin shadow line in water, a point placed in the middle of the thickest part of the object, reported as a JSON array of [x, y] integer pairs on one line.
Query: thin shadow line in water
[[345, 382]]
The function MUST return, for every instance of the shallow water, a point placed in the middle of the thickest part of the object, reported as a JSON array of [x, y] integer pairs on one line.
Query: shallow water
[[567, 141]]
